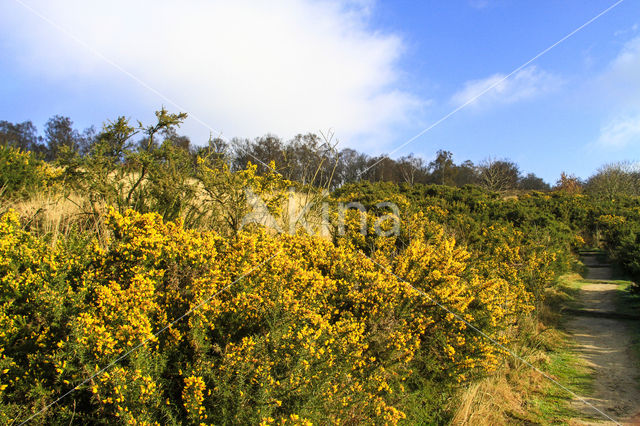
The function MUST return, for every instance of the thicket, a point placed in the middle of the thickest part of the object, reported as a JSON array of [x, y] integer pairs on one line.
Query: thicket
[[230, 322]]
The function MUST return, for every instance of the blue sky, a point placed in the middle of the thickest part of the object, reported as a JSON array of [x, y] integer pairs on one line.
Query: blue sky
[[375, 72]]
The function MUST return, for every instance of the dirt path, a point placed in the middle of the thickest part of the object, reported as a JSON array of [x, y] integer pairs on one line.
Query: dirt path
[[605, 344]]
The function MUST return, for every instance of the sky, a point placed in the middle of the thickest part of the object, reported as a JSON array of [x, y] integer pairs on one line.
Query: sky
[[459, 75]]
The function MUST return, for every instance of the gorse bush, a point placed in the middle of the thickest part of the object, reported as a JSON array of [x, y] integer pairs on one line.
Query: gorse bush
[[621, 235], [521, 243], [313, 332], [232, 199], [170, 302], [22, 174]]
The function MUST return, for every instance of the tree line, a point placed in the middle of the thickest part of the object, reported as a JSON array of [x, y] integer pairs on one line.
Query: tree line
[[314, 159]]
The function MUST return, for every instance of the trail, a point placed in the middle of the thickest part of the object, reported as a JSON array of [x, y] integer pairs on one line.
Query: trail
[[603, 340]]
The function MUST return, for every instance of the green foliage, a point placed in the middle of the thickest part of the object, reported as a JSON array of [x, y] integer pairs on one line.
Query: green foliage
[[36, 306], [22, 174], [621, 236], [156, 177], [286, 327], [526, 241], [343, 330], [230, 197]]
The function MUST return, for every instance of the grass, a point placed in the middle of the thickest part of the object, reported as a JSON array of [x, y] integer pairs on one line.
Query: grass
[[552, 405], [628, 300], [518, 394], [565, 294]]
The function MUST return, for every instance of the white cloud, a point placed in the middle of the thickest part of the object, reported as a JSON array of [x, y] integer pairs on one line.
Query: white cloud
[[617, 91], [526, 84], [626, 31], [620, 82], [247, 67], [620, 132]]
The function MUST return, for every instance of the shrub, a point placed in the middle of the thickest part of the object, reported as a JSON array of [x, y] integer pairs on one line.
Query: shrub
[[22, 174]]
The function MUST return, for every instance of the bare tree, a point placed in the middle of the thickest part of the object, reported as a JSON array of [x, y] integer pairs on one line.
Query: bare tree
[[412, 169], [499, 175], [614, 180]]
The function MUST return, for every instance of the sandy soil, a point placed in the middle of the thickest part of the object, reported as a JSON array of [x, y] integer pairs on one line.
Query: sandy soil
[[605, 344]]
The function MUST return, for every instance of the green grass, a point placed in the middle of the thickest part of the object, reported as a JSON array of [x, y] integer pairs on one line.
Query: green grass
[[552, 405], [628, 300], [566, 367], [565, 294]]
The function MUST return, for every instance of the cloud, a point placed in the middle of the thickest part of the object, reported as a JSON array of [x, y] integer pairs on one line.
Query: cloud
[[620, 81], [626, 31], [617, 91], [526, 84], [620, 132], [246, 67]]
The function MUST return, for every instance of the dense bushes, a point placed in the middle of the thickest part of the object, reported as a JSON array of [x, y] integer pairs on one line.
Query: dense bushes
[[621, 235], [523, 242], [203, 316], [314, 331], [22, 174], [361, 327]]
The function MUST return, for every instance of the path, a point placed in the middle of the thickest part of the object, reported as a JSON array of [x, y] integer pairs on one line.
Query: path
[[604, 342]]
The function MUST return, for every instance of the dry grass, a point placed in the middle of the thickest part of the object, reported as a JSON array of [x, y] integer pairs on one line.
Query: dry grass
[[516, 393], [306, 210], [54, 216], [504, 397]]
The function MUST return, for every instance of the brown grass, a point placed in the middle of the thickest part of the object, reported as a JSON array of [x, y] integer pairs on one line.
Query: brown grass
[[505, 396], [54, 215]]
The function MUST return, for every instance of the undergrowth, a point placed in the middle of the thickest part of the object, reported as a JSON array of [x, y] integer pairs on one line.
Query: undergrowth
[[520, 394]]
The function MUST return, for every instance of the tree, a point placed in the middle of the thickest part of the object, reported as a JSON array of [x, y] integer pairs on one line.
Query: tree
[[569, 184], [412, 169], [23, 136], [261, 151], [466, 174], [381, 169], [614, 180], [178, 141], [442, 168], [311, 159], [60, 136], [532, 182], [351, 164], [499, 175], [216, 151]]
